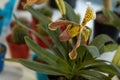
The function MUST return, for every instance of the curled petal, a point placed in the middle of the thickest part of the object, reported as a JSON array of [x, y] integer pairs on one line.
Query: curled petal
[[89, 15], [58, 24], [86, 34], [73, 54]]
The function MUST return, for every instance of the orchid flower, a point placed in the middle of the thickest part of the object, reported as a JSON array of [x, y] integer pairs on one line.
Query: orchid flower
[[73, 29]]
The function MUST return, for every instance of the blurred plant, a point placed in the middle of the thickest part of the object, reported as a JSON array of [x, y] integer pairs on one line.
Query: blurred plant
[[112, 17], [118, 3], [46, 11], [2, 49], [31, 2], [68, 56], [18, 33]]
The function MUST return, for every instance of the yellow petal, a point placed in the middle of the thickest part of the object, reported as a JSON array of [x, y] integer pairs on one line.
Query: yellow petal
[[89, 15], [74, 31], [86, 34]]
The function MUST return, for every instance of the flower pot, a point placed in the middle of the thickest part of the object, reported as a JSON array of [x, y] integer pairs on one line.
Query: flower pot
[[39, 75], [71, 2], [37, 39], [16, 50], [2, 56], [41, 43], [100, 28]]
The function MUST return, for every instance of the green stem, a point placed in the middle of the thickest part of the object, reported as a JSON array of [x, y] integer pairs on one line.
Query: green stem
[[107, 4]]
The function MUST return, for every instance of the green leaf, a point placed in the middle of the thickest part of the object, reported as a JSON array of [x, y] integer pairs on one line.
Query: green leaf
[[70, 14], [93, 75], [46, 55], [26, 27], [102, 41], [110, 47], [93, 51], [113, 19], [89, 64], [116, 58], [45, 21], [107, 68], [81, 52], [40, 67]]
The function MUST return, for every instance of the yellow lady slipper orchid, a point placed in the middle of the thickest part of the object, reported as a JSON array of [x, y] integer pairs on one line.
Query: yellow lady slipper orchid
[[74, 30], [89, 15]]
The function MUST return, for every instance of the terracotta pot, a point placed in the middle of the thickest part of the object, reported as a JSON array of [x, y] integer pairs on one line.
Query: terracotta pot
[[41, 43], [37, 39], [100, 28], [2, 56], [17, 50]]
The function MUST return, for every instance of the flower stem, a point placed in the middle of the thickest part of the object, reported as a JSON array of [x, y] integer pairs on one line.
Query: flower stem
[[107, 4]]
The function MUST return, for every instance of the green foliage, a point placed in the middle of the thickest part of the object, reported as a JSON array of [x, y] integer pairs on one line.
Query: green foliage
[[104, 43], [57, 61], [112, 18], [116, 58], [46, 11], [70, 14]]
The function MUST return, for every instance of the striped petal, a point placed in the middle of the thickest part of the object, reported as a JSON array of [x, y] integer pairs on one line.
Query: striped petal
[[58, 24], [74, 31], [89, 15]]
